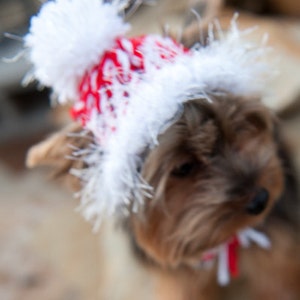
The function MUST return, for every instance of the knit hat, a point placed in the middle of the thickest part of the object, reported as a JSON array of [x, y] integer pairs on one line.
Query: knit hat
[[128, 91]]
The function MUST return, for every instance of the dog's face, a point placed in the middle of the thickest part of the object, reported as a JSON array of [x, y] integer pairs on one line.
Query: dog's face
[[215, 171]]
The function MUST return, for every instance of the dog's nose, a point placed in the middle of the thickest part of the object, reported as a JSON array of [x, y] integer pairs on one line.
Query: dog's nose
[[258, 203]]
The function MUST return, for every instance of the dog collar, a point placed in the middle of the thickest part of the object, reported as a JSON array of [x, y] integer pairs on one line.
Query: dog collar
[[227, 254]]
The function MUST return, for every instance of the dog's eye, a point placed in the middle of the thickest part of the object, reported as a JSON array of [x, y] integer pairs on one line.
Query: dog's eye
[[184, 169], [258, 121]]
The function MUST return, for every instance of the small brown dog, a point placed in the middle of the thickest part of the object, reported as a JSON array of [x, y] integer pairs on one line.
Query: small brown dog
[[218, 169], [178, 141]]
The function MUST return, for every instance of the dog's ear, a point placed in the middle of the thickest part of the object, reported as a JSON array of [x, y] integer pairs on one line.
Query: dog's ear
[[57, 152]]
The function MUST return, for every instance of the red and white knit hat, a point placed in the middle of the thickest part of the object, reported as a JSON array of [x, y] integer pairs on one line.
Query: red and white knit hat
[[127, 91]]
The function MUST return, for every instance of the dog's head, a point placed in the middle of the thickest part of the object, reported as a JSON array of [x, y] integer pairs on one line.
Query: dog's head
[[215, 171]]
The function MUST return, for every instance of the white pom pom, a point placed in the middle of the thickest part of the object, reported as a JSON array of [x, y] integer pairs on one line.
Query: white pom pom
[[67, 38]]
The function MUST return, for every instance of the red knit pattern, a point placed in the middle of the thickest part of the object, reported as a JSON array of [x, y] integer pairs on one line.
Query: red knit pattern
[[111, 67], [233, 247]]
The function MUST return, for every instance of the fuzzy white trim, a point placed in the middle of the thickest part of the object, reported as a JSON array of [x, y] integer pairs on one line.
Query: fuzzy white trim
[[67, 38], [229, 65]]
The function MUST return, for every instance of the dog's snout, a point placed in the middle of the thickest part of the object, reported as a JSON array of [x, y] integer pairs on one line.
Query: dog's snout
[[258, 203]]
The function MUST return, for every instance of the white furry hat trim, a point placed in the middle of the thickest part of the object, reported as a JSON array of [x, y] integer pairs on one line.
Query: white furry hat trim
[[127, 91]]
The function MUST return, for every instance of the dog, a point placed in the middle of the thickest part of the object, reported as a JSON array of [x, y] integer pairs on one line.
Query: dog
[[222, 166]]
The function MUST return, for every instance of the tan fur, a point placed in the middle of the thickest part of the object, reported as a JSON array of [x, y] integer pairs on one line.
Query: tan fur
[[57, 151], [231, 145], [234, 148]]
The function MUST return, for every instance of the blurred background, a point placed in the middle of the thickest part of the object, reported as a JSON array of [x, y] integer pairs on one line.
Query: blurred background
[[47, 251]]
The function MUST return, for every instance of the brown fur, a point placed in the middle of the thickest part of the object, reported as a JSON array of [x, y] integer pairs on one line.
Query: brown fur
[[208, 167], [230, 144]]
